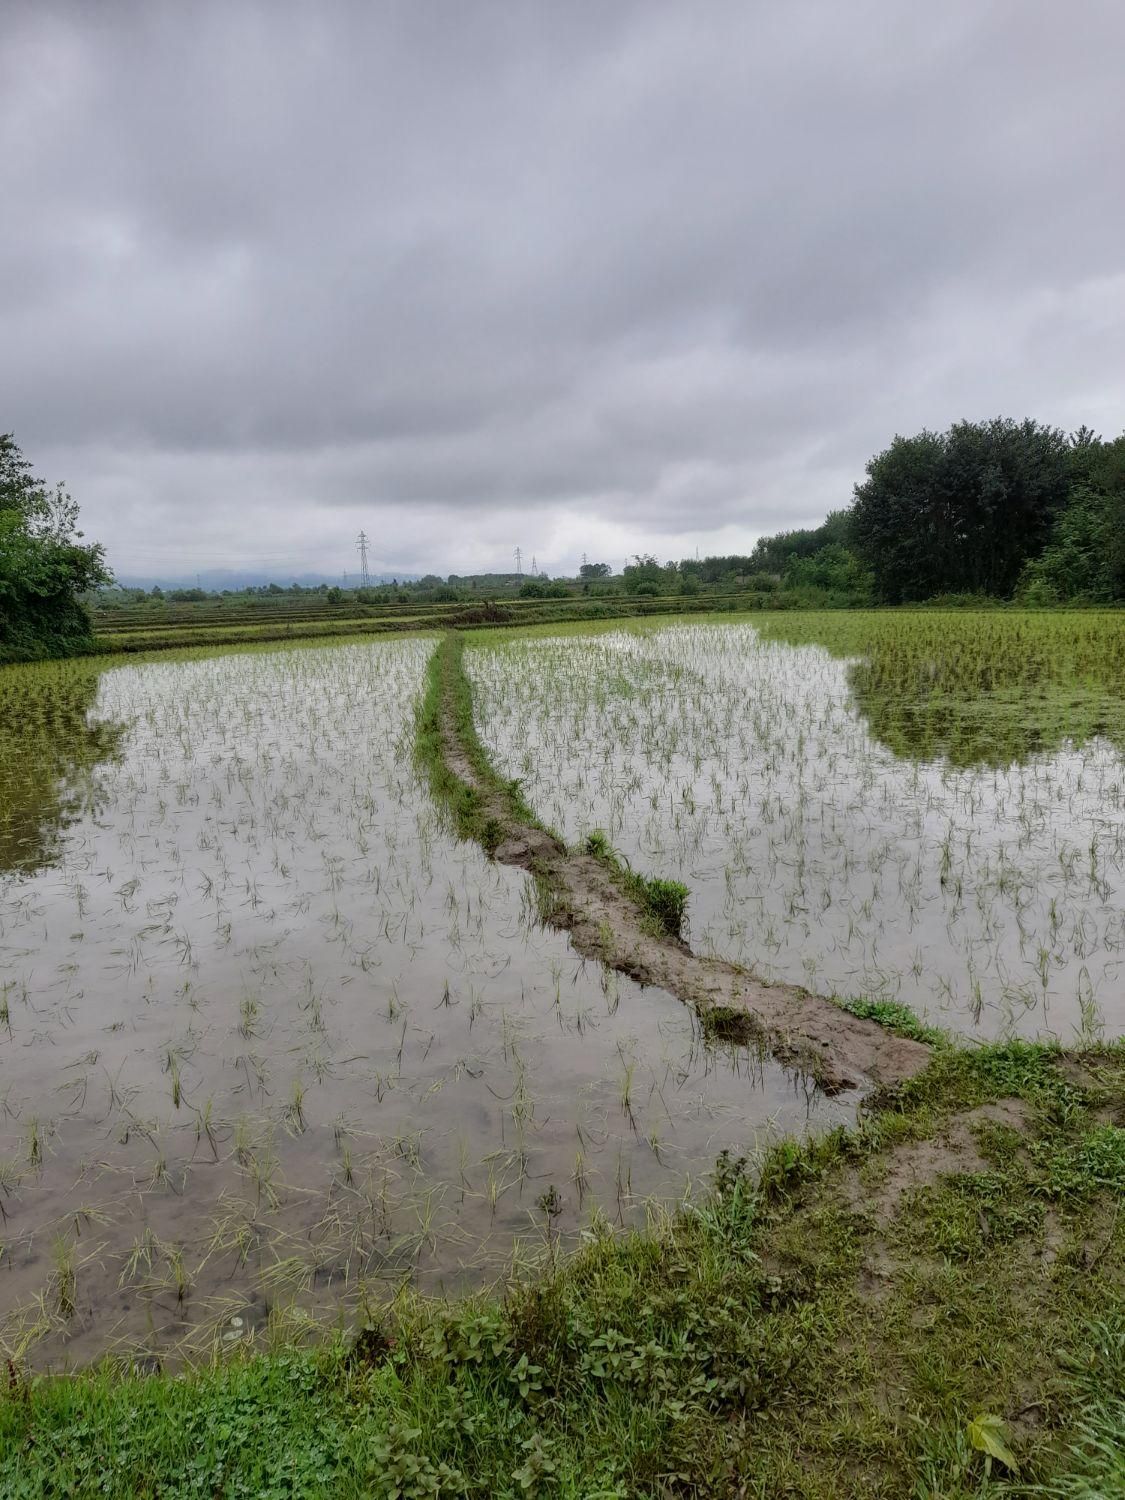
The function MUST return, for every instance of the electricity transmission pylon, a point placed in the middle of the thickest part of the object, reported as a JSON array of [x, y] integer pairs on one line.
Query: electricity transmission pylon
[[519, 563], [361, 546]]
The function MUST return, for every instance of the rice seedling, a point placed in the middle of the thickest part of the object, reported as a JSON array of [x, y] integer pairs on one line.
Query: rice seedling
[[64, 1278], [139, 1258], [204, 1126], [233, 869], [172, 1068], [160, 1175], [579, 1175], [347, 1171], [625, 1088], [294, 1110], [249, 1011], [914, 806], [177, 1272]]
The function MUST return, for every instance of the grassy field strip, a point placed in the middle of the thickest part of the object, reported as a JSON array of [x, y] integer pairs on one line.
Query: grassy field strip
[[517, 612]]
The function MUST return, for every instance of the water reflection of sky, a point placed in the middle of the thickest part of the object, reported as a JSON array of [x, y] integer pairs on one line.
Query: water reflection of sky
[[991, 899], [263, 1010]]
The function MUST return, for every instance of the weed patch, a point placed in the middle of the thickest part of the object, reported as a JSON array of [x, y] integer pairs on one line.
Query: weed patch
[[664, 902]]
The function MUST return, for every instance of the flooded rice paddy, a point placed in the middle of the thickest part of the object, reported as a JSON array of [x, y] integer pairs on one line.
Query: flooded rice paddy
[[273, 1044], [932, 811]]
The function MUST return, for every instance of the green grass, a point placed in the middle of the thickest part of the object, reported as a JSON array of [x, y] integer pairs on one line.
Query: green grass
[[447, 684], [975, 686], [148, 640], [664, 902], [897, 1018], [744, 1347]]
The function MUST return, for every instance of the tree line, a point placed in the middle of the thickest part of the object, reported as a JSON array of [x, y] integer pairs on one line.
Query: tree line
[[994, 510], [997, 509]]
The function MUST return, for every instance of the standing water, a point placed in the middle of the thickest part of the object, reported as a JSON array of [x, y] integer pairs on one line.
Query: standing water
[[273, 1043]]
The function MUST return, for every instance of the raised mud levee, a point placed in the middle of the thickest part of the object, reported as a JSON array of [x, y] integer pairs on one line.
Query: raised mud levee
[[585, 898]]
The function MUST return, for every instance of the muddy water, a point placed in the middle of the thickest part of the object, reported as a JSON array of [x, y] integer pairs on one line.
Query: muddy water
[[990, 899], [272, 1044]]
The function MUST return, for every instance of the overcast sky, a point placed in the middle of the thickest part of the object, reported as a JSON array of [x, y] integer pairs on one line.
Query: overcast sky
[[584, 277]]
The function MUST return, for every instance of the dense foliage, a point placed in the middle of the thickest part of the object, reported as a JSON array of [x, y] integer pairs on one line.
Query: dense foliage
[[990, 509], [1085, 553], [44, 565], [960, 512]]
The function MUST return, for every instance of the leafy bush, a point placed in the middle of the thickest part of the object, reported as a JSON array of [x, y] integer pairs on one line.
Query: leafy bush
[[44, 567]]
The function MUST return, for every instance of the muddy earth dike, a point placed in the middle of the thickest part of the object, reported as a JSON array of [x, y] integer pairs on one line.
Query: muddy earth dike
[[595, 900]]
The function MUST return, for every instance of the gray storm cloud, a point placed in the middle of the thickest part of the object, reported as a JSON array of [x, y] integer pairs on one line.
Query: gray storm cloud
[[601, 277]]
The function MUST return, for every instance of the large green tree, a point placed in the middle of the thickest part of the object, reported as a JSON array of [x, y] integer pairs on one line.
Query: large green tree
[[960, 511], [1085, 554], [644, 575], [45, 566]]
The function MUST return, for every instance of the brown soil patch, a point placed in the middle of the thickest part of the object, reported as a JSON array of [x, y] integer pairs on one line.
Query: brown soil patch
[[917, 1164], [1014, 1113], [1054, 1236], [1074, 1071], [839, 1050]]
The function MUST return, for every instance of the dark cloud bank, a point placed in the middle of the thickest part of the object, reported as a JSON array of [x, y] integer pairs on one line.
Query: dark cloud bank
[[583, 277]]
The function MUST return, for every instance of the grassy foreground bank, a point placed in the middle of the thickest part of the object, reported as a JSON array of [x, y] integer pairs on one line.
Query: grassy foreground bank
[[927, 1305]]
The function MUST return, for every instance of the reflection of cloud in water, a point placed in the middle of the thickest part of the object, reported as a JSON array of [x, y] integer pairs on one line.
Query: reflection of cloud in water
[[381, 1061], [990, 898]]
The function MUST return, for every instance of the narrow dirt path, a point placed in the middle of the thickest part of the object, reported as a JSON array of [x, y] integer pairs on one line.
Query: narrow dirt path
[[584, 898]]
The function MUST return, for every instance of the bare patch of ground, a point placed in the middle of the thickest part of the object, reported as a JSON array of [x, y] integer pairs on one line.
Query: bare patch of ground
[[1054, 1236], [1075, 1071], [916, 1164]]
